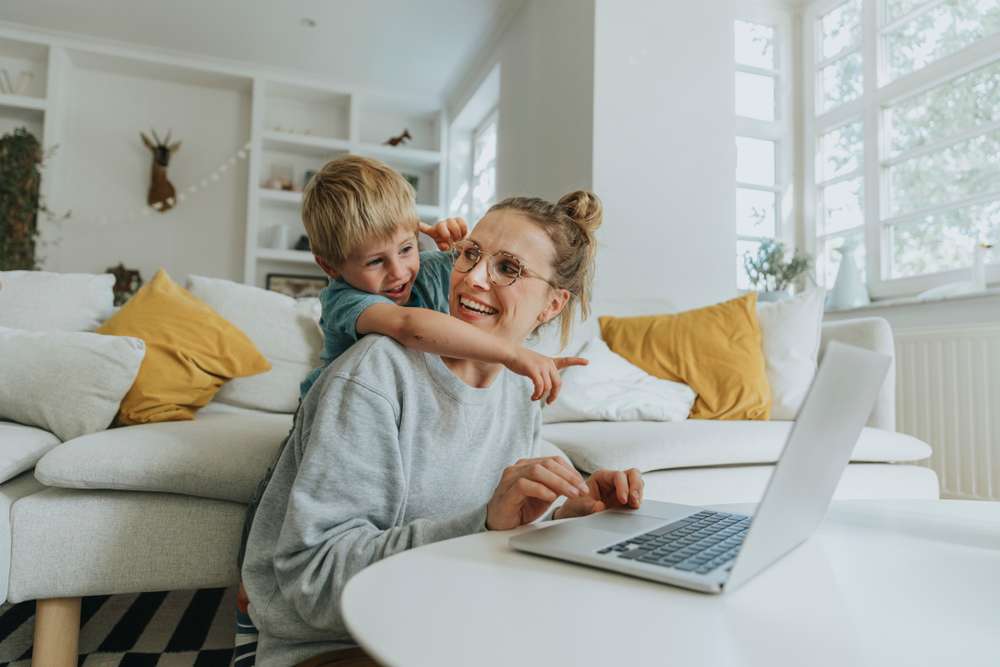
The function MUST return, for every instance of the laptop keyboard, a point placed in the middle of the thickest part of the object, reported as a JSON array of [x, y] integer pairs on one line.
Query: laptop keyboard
[[700, 543]]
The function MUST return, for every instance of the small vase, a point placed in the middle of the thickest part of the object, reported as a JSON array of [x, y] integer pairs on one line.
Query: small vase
[[849, 290], [773, 296]]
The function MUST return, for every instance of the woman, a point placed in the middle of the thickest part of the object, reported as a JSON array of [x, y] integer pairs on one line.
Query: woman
[[397, 448]]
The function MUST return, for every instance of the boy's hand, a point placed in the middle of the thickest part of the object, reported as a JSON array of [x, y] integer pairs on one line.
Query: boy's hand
[[542, 371], [446, 232]]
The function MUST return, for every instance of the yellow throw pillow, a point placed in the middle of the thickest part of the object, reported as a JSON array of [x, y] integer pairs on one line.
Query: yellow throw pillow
[[191, 351], [715, 350]]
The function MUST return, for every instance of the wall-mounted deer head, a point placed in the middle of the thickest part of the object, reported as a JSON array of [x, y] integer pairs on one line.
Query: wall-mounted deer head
[[162, 195]]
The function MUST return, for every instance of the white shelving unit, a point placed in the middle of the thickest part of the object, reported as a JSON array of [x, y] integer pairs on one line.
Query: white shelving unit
[[296, 125], [296, 128]]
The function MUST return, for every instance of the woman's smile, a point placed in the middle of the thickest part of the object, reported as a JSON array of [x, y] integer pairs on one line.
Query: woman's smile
[[477, 307]]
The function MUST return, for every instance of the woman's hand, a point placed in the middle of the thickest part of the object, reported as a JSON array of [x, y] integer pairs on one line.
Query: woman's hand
[[446, 231], [541, 370], [607, 489], [528, 487]]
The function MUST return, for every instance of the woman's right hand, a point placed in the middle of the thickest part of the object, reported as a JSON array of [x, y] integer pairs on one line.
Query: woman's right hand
[[543, 371], [528, 487]]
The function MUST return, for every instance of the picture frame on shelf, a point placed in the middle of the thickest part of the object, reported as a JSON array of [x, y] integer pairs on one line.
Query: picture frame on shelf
[[295, 285], [413, 180]]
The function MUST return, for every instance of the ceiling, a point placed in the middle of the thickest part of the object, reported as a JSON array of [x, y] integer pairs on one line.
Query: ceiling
[[416, 46]]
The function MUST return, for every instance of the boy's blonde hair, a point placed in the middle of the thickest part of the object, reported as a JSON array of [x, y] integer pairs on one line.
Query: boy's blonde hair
[[353, 200]]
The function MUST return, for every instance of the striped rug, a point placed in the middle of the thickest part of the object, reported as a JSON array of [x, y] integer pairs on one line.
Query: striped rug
[[166, 629]]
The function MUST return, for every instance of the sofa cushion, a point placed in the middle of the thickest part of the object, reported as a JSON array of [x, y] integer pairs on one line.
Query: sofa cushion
[[10, 492], [21, 446], [790, 331], [191, 351], [67, 382], [285, 330], [715, 350], [222, 454], [43, 301], [696, 443]]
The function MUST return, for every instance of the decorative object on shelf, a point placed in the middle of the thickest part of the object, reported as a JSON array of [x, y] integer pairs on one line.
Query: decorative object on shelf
[[162, 196], [849, 290], [21, 159], [977, 283], [127, 282], [399, 139], [771, 274], [18, 86], [302, 243], [289, 130], [276, 237], [281, 178], [295, 286], [307, 176], [413, 180]]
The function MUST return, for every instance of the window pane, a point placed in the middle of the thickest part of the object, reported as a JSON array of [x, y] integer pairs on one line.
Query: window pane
[[755, 212], [840, 151], [896, 8], [842, 206], [754, 161], [754, 44], [842, 81], [744, 248], [840, 29], [486, 148], [829, 255], [755, 96], [961, 104], [964, 169], [939, 32], [944, 241]]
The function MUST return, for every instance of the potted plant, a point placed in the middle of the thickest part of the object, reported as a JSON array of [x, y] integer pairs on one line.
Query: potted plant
[[20, 162], [771, 274]]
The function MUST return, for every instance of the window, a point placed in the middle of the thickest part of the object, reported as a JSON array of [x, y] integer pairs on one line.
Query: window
[[472, 161], [905, 131], [763, 141], [484, 166]]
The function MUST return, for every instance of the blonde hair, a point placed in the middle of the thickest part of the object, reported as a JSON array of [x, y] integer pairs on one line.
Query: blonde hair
[[570, 224], [353, 200]]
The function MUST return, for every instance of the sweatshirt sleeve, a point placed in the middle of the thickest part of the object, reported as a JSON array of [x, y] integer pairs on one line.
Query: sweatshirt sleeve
[[346, 500]]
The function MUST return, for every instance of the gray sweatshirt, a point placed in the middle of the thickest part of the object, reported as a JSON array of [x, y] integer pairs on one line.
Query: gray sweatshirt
[[390, 450]]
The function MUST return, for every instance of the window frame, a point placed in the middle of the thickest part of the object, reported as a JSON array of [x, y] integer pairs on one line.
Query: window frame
[[877, 97], [782, 129], [492, 117]]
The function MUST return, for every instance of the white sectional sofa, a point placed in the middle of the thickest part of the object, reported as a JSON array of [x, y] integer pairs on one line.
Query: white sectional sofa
[[161, 506]]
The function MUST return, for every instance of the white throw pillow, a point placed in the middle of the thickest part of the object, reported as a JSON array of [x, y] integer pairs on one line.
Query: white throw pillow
[[69, 383], [791, 333], [610, 388], [43, 301], [285, 330]]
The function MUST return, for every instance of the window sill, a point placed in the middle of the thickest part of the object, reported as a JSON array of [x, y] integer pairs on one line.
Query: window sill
[[915, 301]]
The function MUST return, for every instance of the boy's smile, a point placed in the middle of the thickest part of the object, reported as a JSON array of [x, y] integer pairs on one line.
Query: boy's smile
[[384, 267]]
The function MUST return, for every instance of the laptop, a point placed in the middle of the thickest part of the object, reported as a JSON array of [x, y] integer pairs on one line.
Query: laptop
[[712, 551]]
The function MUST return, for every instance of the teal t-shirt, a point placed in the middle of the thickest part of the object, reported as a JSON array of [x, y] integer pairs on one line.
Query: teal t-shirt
[[342, 306]]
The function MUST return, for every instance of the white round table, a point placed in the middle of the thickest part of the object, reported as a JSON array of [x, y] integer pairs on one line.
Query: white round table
[[881, 583]]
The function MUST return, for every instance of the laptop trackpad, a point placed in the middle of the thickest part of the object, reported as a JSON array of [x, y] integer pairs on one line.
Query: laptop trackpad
[[622, 522]]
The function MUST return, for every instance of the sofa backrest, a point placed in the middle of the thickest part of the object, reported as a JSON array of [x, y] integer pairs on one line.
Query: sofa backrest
[[870, 333]]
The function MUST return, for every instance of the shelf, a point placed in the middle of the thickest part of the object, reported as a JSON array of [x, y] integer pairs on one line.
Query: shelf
[[290, 197], [23, 102], [400, 155], [310, 144], [290, 256]]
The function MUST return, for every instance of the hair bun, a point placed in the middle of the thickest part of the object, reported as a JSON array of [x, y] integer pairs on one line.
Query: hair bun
[[584, 208]]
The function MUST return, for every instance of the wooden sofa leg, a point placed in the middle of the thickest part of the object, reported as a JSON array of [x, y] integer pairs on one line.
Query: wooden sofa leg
[[57, 632]]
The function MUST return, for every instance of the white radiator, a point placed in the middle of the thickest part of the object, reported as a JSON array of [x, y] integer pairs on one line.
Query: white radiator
[[948, 395]]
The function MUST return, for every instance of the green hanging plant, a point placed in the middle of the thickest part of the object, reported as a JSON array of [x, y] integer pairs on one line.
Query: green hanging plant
[[21, 159]]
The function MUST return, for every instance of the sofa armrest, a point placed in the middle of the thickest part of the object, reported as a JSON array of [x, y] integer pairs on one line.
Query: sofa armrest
[[870, 333]]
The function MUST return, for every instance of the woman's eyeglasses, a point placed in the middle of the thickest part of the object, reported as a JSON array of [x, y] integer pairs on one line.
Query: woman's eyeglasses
[[502, 267]]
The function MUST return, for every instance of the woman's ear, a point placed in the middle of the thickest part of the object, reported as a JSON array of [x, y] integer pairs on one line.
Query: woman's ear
[[558, 298]]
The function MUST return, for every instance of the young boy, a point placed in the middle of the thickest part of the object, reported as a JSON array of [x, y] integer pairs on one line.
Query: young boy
[[362, 223]]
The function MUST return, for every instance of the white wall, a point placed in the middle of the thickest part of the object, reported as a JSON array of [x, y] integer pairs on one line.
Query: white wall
[[664, 155], [104, 174], [545, 113]]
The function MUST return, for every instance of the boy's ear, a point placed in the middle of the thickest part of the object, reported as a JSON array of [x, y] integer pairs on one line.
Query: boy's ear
[[327, 269]]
